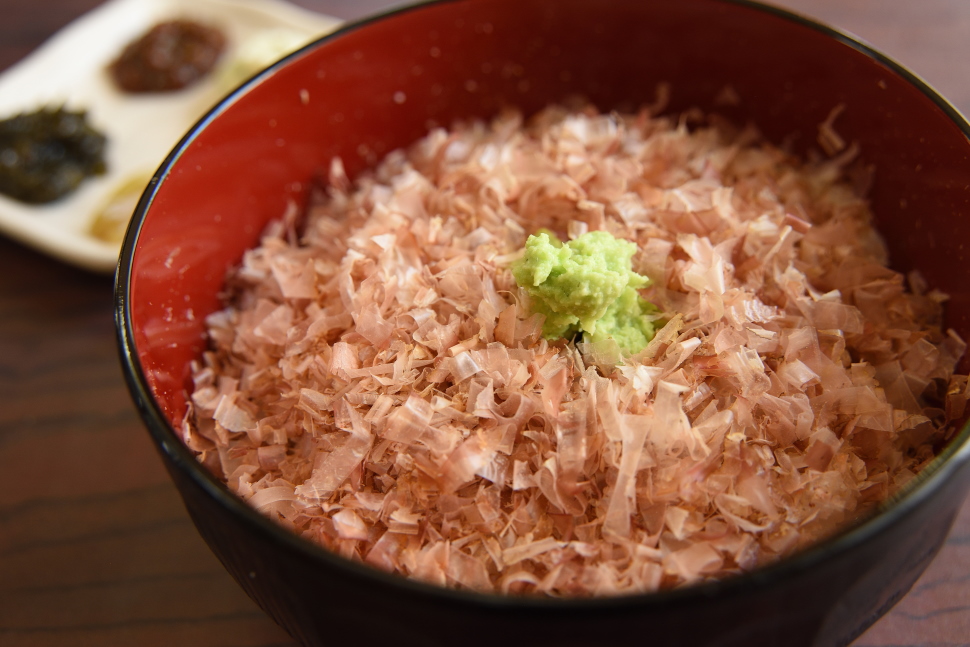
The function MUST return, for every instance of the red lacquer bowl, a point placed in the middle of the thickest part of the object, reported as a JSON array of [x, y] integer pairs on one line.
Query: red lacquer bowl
[[379, 85]]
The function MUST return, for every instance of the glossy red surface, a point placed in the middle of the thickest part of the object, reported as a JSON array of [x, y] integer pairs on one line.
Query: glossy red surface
[[379, 86]]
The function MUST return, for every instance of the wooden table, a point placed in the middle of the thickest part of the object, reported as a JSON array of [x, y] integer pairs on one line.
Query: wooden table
[[95, 547]]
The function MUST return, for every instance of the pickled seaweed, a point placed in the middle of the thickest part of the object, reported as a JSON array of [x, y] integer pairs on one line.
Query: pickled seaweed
[[46, 154]]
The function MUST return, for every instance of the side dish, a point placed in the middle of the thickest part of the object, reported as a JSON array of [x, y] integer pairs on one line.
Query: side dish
[[172, 55], [47, 153]]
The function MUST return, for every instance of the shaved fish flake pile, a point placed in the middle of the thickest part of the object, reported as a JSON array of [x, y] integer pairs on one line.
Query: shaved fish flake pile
[[379, 385]]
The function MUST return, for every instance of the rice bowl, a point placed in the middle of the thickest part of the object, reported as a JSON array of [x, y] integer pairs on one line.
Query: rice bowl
[[180, 247]]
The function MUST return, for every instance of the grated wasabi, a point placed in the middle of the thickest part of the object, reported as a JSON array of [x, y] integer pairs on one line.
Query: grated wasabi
[[588, 286]]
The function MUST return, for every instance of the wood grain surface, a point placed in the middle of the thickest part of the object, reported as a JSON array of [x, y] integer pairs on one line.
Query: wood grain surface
[[95, 546]]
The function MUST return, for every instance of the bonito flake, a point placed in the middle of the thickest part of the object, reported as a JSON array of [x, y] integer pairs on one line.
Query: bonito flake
[[379, 385]]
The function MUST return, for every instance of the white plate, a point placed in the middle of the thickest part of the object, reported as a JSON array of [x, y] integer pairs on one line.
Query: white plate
[[69, 70]]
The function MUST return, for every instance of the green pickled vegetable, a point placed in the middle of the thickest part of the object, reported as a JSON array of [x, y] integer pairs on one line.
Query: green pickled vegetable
[[46, 154]]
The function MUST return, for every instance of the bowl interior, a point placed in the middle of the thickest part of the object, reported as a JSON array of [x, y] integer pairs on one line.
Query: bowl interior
[[380, 85]]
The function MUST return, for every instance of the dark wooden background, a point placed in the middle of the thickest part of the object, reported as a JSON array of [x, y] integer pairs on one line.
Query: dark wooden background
[[95, 547]]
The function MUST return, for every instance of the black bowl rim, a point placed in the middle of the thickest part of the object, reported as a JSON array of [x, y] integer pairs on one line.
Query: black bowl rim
[[932, 478]]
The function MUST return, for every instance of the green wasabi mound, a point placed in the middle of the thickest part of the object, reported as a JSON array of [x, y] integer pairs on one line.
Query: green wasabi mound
[[587, 285]]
